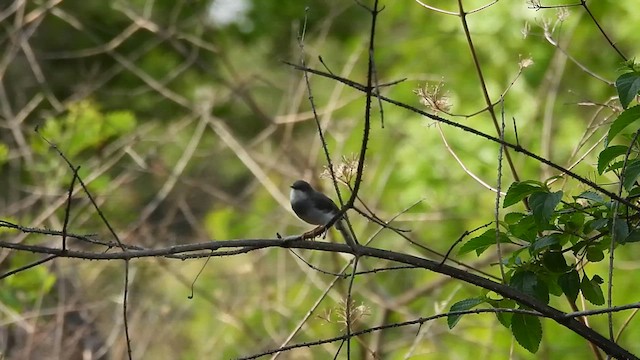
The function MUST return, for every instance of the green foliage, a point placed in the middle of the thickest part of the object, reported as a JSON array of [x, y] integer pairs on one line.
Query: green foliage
[[520, 190], [626, 118], [592, 290], [570, 284], [552, 228], [134, 59], [531, 284], [527, 330], [504, 317], [481, 243], [543, 205], [4, 153], [462, 305], [23, 290], [218, 223], [608, 154], [628, 84], [84, 128]]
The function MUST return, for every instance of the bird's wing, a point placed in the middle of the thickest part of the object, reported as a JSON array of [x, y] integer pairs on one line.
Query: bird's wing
[[326, 204]]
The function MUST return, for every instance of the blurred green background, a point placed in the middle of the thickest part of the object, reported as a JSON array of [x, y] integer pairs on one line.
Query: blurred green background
[[188, 127]]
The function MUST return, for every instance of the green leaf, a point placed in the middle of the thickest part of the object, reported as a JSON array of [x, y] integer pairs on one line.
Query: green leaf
[[555, 262], [634, 236], [525, 229], [595, 224], [628, 86], [608, 154], [573, 223], [631, 173], [542, 205], [504, 317], [594, 254], [621, 230], [543, 243], [570, 284], [591, 289], [527, 330], [591, 196], [625, 119], [513, 218], [463, 305], [633, 193], [529, 283], [520, 190], [552, 282], [481, 243], [513, 259]]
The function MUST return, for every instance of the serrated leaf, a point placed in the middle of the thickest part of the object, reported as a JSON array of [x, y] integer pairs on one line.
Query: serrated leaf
[[570, 284], [628, 85], [462, 305], [527, 330], [591, 290], [481, 243], [504, 317], [542, 205], [529, 283], [631, 173], [626, 118], [608, 154], [520, 190]]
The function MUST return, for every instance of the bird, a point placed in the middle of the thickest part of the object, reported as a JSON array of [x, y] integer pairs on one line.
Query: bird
[[316, 208]]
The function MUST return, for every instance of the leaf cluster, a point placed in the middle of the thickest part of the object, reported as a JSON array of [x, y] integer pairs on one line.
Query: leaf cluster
[[558, 235]]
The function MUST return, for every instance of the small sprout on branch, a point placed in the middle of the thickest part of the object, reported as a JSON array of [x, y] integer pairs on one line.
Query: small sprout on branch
[[562, 13], [526, 30], [525, 62], [534, 4], [356, 313], [434, 98], [345, 171]]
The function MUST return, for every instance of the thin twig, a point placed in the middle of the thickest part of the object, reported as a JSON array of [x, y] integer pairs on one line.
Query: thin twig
[[86, 190], [67, 211], [124, 307], [498, 193], [476, 132], [612, 245]]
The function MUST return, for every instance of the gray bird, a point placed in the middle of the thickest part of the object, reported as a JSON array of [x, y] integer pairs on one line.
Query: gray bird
[[316, 208]]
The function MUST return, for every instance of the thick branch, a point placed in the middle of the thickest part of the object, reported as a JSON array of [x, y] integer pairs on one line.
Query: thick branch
[[558, 316]]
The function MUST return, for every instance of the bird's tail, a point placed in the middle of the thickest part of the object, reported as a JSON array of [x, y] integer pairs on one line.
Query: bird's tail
[[341, 226]]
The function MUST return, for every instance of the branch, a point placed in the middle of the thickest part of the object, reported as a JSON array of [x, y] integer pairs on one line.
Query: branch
[[556, 315]]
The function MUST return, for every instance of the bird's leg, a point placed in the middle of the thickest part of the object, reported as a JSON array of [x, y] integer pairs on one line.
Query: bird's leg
[[314, 233]]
